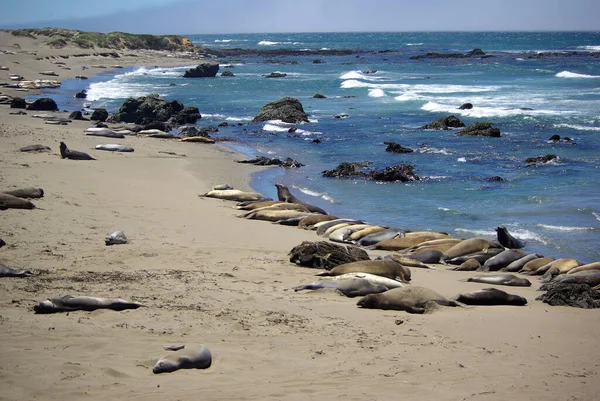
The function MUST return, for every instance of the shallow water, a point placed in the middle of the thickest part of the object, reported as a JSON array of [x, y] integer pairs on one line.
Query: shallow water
[[555, 207]]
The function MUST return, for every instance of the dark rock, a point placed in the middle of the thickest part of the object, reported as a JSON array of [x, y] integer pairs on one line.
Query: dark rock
[[227, 74], [369, 71], [81, 94], [276, 75], [402, 173], [394, 147], [203, 70], [554, 138], [189, 115], [444, 123], [495, 179], [472, 53], [287, 109], [316, 140], [466, 106], [81, 77], [325, 255], [266, 161], [188, 131], [76, 115], [557, 138], [176, 106], [99, 115], [44, 103], [18, 103], [224, 124], [160, 125], [292, 130], [346, 170], [481, 129], [206, 131], [564, 294], [102, 125], [340, 116], [533, 161], [317, 61], [319, 96]]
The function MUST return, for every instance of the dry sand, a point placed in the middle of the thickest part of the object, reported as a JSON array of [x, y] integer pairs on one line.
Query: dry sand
[[209, 277]]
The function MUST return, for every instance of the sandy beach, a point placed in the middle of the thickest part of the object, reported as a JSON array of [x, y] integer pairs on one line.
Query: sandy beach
[[209, 277]]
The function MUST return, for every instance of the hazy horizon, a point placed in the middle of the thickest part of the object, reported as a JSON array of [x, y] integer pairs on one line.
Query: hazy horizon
[[189, 17]]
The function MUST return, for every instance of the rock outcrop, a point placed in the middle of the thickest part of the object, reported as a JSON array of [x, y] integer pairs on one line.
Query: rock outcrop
[[146, 109], [445, 123], [44, 103], [481, 129], [207, 69], [394, 147], [287, 109]]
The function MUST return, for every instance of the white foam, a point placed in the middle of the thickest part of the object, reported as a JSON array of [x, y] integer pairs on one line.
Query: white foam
[[577, 127], [596, 215], [480, 112], [316, 194], [479, 233], [376, 93], [275, 128], [223, 40], [566, 228], [590, 48], [569, 74], [414, 44], [461, 160], [271, 43], [434, 151]]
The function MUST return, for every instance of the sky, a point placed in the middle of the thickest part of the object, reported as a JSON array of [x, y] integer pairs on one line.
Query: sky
[[247, 16]]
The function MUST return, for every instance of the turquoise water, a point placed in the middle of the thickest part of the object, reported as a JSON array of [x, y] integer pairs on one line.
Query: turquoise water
[[532, 89]]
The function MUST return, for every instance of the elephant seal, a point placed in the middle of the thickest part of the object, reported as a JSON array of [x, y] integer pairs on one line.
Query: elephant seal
[[233, 195], [519, 263], [399, 244], [284, 194], [370, 229], [116, 238], [188, 357], [427, 256], [469, 246], [507, 240], [590, 278], [198, 139], [6, 271], [373, 278], [341, 235], [104, 132], [491, 296], [590, 267], [249, 206], [35, 148], [26, 193], [501, 260], [559, 266], [531, 266], [68, 303], [274, 215], [468, 265], [111, 147], [2, 243], [500, 279], [322, 227], [309, 221], [372, 239], [406, 261], [350, 287], [384, 268], [66, 153], [12, 202], [481, 257], [412, 299]]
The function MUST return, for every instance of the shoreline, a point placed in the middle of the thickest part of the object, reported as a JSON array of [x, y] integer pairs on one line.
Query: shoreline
[[208, 277]]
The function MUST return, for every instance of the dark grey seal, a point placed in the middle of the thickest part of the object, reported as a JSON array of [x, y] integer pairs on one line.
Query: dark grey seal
[[66, 153], [491, 296], [352, 287], [69, 303], [26, 193], [501, 260], [374, 238], [12, 202], [6, 271], [284, 194], [507, 240]]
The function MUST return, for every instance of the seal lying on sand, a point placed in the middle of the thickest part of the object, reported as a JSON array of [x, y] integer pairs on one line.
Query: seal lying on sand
[[116, 238], [6, 271], [233, 195], [284, 194], [500, 279], [188, 357], [350, 287], [491, 296], [112, 147], [26, 193], [12, 202], [507, 240], [35, 148], [410, 299], [68, 303], [384, 268], [66, 153]]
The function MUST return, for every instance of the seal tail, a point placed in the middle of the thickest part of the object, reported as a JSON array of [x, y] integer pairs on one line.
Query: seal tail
[[324, 274]]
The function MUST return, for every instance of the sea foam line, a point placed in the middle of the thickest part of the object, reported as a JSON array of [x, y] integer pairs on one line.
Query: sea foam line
[[569, 74], [316, 194]]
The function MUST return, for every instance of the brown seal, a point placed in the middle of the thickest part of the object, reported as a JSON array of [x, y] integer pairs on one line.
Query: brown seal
[[69, 303], [309, 221], [26, 193], [284, 194], [66, 153], [12, 202], [412, 299]]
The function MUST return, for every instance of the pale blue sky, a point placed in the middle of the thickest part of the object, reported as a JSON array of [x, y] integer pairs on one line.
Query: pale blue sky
[[232, 16]]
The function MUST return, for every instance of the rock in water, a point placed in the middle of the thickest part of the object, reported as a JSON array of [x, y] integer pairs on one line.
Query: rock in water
[[203, 70], [287, 109]]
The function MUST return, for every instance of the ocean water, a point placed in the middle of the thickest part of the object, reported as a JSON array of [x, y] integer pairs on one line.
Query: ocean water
[[532, 89]]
